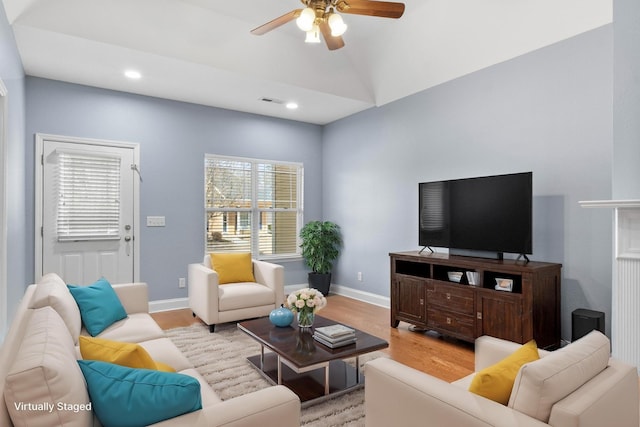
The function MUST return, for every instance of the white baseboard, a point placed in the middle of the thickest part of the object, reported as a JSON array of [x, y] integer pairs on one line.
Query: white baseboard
[[347, 292], [179, 303], [292, 288], [168, 304], [361, 295]]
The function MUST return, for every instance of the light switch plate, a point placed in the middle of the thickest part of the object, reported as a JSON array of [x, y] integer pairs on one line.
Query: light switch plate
[[155, 221]]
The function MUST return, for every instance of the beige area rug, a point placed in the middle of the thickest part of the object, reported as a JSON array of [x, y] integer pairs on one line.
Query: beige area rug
[[221, 359]]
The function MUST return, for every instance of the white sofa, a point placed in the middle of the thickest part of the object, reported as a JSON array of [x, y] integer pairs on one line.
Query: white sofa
[[215, 304], [578, 385], [38, 364]]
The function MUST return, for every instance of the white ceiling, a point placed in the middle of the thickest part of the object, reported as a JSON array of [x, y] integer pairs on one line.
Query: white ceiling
[[201, 51]]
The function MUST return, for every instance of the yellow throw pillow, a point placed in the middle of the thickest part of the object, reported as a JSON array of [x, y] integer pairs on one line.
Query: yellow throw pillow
[[119, 353], [495, 382], [233, 267]]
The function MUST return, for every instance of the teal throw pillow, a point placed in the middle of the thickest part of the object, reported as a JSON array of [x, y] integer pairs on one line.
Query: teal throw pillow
[[99, 305], [131, 397]]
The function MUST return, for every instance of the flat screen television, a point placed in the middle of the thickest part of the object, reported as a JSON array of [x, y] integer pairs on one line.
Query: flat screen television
[[488, 214]]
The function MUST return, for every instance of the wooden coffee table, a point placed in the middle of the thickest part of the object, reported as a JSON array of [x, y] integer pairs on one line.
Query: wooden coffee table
[[312, 370]]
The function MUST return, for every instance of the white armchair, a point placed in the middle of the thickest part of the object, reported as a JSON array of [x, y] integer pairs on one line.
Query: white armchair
[[214, 303]]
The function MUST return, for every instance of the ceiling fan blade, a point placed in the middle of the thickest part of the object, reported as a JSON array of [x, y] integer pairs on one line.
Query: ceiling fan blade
[[271, 25], [383, 9], [333, 42]]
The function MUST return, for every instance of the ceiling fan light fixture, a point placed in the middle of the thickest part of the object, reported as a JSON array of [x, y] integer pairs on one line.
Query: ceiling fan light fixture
[[337, 25], [325, 16], [306, 19], [313, 35]]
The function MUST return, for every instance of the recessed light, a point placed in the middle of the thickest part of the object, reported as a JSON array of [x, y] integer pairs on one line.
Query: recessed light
[[292, 105], [133, 74]]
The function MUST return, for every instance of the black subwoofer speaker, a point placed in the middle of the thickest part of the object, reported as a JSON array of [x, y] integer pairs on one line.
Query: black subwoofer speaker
[[584, 321]]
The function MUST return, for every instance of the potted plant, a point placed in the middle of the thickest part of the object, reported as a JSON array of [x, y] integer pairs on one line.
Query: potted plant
[[321, 242]]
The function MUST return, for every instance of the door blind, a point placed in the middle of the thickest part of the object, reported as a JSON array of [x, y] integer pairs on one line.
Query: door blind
[[88, 205]]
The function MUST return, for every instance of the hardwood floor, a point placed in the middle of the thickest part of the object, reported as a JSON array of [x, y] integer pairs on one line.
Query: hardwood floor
[[444, 358]]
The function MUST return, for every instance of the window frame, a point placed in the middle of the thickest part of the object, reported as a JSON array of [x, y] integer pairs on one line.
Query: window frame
[[255, 211]]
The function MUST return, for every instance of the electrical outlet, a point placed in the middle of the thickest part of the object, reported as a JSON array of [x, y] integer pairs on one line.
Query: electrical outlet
[[155, 221], [359, 276], [182, 282]]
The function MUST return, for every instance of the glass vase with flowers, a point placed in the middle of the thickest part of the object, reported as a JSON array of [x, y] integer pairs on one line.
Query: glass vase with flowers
[[306, 302]]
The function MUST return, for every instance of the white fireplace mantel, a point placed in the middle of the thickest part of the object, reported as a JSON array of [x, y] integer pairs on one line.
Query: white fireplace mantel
[[625, 291], [627, 225], [610, 203]]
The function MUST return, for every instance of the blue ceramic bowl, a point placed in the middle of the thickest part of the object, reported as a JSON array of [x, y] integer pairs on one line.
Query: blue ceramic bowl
[[281, 317]]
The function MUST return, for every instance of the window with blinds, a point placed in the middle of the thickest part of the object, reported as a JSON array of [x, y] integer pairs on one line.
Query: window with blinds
[[88, 205], [252, 206]]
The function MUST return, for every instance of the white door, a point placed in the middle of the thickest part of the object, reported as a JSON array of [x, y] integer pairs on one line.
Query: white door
[[88, 199]]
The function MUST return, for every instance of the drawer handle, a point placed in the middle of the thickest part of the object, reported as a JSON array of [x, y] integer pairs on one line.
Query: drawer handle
[[479, 315], [421, 301], [448, 320], [448, 295]]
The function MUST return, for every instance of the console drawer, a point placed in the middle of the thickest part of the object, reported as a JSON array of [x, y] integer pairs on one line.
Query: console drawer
[[456, 324], [457, 298]]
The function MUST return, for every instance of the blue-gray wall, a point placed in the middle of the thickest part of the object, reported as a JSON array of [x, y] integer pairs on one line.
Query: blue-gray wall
[[12, 75], [549, 112], [173, 138]]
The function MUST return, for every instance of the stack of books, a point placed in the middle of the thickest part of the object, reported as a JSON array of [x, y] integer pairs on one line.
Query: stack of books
[[335, 336]]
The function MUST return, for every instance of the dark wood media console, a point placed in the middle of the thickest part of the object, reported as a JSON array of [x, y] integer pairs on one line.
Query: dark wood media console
[[423, 295]]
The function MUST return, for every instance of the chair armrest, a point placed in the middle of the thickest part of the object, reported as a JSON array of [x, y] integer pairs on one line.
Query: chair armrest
[[271, 275], [133, 296], [270, 407], [610, 395], [397, 392], [491, 350], [203, 292]]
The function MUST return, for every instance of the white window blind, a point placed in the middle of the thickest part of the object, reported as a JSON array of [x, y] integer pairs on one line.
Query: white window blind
[[253, 205], [278, 206], [88, 205]]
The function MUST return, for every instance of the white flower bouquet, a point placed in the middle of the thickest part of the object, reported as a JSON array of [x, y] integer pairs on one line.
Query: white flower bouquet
[[306, 302]]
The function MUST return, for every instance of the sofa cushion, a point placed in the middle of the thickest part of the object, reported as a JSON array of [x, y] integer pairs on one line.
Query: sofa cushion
[[165, 351], [540, 384], [124, 397], [495, 382], [53, 292], [127, 354], [136, 327], [209, 397], [233, 267], [99, 305], [242, 295], [44, 386]]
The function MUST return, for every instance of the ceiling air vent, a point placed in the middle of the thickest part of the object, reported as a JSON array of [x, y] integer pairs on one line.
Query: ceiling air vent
[[271, 100]]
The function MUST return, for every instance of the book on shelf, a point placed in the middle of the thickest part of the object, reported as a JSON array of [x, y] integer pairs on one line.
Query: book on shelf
[[335, 331], [335, 343]]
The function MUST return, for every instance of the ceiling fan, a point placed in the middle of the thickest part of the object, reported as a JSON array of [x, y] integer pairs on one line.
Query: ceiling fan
[[320, 16]]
